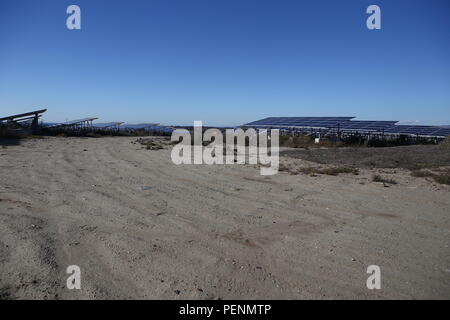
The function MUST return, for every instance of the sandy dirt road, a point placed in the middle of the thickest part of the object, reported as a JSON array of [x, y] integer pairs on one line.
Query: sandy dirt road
[[141, 227]]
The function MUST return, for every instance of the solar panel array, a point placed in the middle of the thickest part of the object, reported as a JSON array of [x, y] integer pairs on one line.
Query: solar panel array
[[316, 122], [346, 124], [137, 126], [152, 127]]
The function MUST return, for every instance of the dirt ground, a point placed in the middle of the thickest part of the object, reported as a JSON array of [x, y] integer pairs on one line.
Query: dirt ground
[[141, 227]]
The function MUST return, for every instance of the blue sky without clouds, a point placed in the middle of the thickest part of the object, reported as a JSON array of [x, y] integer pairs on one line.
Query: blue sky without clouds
[[226, 62]]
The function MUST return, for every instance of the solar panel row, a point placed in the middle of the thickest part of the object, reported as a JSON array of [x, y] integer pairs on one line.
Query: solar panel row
[[68, 123], [137, 126], [419, 130], [320, 122], [146, 127], [347, 124]]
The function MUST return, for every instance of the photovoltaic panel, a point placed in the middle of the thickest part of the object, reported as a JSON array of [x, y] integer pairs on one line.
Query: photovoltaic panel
[[22, 115], [137, 126], [363, 125], [443, 132], [414, 130], [107, 125]]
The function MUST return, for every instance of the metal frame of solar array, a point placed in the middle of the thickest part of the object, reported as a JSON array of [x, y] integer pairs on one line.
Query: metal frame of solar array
[[70, 123], [80, 123]]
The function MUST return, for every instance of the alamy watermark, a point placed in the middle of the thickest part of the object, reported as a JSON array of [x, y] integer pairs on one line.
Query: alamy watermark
[[239, 147], [374, 280], [374, 20], [73, 22], [74, 280]]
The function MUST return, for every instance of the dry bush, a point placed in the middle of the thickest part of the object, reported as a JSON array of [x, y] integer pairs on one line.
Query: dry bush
[[442, 178], [283, 167], [378, 178], [149, 144], [5, 294], [301, 141], [445, 144], [421, 173], [334, 171]]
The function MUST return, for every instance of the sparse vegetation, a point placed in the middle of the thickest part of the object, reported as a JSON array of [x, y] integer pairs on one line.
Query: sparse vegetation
[[5, 294], [424, 161], [153, 147], [378, 178], [93, 135], [441, 176], [150, 144], [30, 136], [337, 171], [445, 144], [305, 141], [407, 157], [442, 179], [421, 173], [332, 171]]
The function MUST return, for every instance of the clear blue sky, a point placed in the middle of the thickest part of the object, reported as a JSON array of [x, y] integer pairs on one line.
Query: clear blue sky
[[226, 62]]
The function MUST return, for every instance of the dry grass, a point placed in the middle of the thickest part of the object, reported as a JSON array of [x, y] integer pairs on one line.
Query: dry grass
[[332, 171], [306, 142]]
